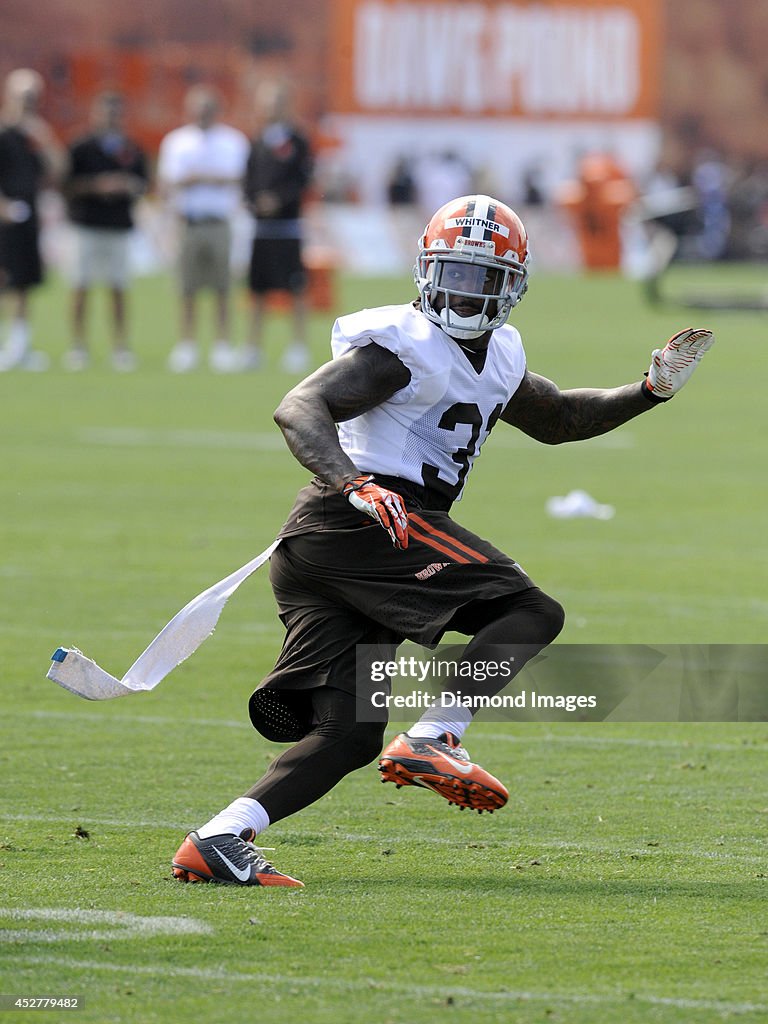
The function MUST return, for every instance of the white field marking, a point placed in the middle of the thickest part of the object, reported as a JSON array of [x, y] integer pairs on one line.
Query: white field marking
[[423, 840], [686, 746], [516, 439], [675, 851], [661, 598], [162, 720], [693, 745], [241, 440], [238, 632], [88, 819], [138, 437], [326, 981], [561, 845], [124, 925]]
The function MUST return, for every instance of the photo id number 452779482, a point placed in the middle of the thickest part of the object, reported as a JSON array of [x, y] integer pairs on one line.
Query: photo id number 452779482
[[25, 1002]]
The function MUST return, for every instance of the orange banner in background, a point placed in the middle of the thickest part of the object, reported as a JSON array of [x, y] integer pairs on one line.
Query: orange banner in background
[[573, 59]]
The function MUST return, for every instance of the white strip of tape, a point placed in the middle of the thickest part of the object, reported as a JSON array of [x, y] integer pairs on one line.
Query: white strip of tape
[[182, 636]]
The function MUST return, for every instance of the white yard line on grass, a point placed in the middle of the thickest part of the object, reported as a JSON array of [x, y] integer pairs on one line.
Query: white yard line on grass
[[122, 925], [342, 985], [687, 746], [140, 437], [82, 818], [612, 850], [644, 851], [161, 720]]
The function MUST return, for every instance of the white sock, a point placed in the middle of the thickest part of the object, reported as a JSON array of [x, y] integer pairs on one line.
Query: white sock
[[241, 814], [17, 343], [440, 719]]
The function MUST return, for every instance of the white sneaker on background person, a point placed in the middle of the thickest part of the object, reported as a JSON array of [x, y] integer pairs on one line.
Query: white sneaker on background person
[[295, 358], [76, 359], [123, 360], [224, 358], [251, 358], [184, 357], [16, 345], [35, 361]]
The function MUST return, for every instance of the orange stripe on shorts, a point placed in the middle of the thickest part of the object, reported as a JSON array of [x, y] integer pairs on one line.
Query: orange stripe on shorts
[[430, 542], [446, 537]]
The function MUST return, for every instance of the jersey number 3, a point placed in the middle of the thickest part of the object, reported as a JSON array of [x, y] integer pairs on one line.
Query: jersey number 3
[[469, 415]]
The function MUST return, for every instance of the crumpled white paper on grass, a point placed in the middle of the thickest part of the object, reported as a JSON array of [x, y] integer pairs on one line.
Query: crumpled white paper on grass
[[578, 504]]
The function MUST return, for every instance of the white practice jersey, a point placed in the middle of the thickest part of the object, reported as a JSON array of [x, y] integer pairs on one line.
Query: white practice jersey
[[431, 431]]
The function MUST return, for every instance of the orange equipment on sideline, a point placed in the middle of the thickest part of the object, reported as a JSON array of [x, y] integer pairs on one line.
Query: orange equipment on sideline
[[597, 201]]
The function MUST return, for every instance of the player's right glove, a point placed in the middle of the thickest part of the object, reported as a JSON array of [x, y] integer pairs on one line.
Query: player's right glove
[[672, 365], [386, 507]]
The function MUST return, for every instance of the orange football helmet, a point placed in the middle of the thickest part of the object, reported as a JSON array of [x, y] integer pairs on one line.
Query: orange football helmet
[[472, 268]]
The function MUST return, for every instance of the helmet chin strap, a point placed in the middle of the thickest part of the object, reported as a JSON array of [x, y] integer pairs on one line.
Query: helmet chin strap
[[463, 327]]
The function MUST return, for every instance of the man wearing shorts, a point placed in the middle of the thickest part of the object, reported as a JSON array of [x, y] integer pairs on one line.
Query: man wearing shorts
[[31, 158], [370, 554], [108, 172], [200, 171], [276, 179]]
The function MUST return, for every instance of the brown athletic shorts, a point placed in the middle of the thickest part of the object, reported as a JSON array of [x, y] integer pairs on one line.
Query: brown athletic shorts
[[339, 583]]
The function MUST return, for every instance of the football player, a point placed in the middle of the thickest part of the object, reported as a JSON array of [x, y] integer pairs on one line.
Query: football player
[[370, 555]]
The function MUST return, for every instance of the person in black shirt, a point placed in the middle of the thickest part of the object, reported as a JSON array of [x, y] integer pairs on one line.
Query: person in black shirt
[[30, 158], [108, 172], [277, 175]]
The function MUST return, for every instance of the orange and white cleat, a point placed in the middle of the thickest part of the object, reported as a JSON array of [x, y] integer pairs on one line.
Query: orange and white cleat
[[229, 859], [444, 767]]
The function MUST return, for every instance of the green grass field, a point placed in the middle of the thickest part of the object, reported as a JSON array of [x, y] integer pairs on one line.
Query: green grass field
[[625, 881]]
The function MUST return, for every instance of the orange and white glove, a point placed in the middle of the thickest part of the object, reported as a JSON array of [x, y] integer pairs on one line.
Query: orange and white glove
[[386, 507], [672, 365]]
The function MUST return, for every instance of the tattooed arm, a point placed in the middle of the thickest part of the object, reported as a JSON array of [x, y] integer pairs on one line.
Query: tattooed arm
[[541, 410], [338, 391]]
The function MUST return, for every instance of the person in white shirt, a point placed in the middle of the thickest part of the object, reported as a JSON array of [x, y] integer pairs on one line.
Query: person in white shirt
[[200, 171]]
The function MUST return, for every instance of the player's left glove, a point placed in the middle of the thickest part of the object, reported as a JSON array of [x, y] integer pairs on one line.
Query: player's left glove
[[386, 507], [672, 365]]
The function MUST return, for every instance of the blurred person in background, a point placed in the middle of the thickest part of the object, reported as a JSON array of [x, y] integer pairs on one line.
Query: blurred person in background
[[200, 172], [107, 174], [532, 187], [277, 176], [401, 188], [31, 158], [438, 177], [748, 204], [711, 181]]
